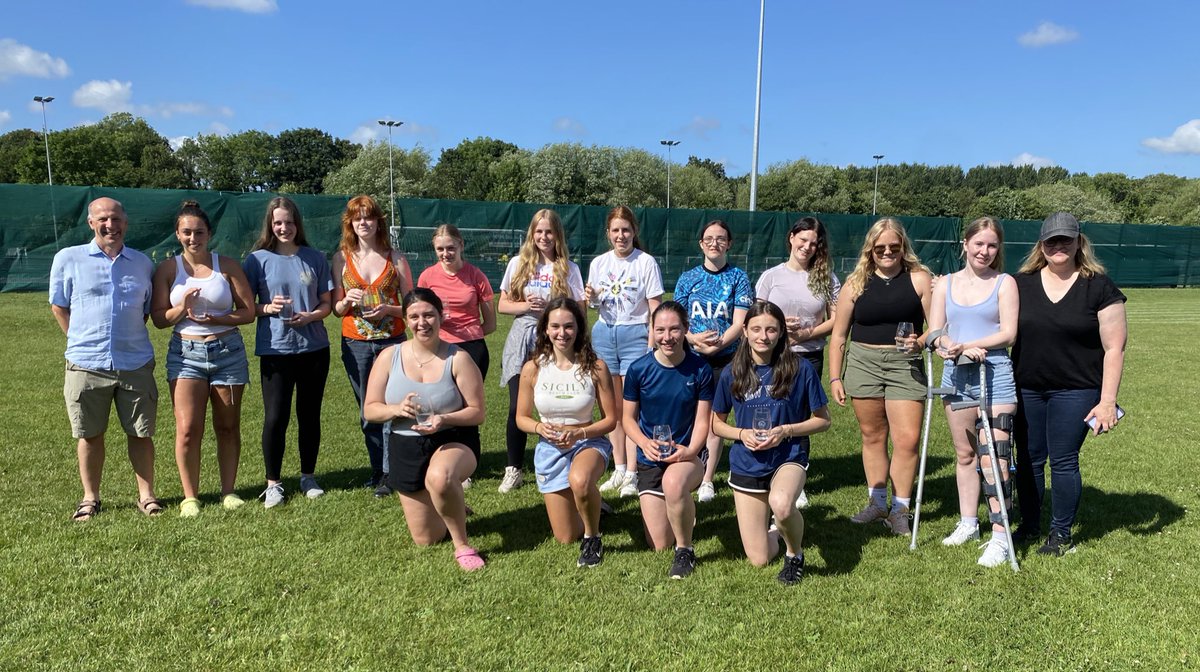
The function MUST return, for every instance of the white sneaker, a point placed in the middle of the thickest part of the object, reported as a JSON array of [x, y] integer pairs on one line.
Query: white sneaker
[[995, 552], [614, 482], [707, 492], [272, 496], [308, 485], [512, 480], [802, 500], [466, 484], [630, 487], [963, 532]]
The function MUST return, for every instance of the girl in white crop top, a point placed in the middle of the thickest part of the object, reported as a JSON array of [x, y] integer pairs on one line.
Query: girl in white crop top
[[565, 381], [203, 297]]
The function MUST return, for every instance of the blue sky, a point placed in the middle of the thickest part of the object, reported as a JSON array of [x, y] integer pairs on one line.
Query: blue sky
[[1091, 86]]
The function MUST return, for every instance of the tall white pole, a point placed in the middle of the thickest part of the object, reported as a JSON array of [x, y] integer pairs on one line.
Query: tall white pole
[[762, 12], [669, 144], [49, 175], [875, 198], [391, 173]]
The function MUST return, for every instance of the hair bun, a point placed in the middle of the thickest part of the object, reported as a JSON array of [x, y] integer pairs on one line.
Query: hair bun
[[189, 204]]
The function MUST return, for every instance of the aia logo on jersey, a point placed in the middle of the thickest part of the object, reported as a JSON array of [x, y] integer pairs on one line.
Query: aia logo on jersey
[[709, 310]]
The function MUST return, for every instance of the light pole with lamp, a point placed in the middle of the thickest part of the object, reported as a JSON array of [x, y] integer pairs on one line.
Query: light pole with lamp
[[391, 175], [875, 198], [49, 176], [668, 144]]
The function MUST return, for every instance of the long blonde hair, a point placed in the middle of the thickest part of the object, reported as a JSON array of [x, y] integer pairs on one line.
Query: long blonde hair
[[528, 257], [865, 267], [1085, 259]]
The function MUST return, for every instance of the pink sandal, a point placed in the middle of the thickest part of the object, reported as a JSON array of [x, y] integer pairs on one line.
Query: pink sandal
[[469, 559]]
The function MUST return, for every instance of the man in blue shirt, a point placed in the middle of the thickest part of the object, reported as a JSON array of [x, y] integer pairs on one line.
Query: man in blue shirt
[[100, 296]]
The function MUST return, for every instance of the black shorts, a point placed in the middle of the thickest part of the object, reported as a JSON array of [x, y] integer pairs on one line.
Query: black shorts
[[817, 359], [650, 476], [757, 484], [409, 456]]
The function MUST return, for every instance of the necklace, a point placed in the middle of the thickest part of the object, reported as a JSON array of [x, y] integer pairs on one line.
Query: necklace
[[420, 364]]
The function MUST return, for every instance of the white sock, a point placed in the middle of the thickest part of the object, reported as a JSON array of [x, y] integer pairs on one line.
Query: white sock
[[878, 497], [900, 501], [969, 522], [619, 470]]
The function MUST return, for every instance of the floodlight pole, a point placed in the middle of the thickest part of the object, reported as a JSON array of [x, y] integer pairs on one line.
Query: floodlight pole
[[49, 176], [391, 174], [875, 198], [668, 144], [762, 12]]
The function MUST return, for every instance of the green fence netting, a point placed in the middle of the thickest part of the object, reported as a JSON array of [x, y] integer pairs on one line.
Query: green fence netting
[[1135, 254]]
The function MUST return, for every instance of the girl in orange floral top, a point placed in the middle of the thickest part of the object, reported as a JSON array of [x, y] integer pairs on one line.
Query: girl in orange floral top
[[369, 280]]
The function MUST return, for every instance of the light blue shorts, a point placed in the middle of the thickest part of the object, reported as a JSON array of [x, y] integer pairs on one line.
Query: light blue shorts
[[619, 346], [553, 466], [1002, 387], [221, 361]]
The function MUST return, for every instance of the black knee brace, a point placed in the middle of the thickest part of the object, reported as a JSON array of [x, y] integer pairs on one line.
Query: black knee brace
[[1003, 422]]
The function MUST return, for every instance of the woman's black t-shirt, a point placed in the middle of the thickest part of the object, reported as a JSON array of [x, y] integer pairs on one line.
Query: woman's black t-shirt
[[1058, 344]]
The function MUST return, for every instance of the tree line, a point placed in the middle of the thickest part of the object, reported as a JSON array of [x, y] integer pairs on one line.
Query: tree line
[[125, 151]]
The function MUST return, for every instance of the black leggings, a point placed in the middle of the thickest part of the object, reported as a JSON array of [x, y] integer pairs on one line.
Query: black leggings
[[514, 438], [304, 373], [478, 352]]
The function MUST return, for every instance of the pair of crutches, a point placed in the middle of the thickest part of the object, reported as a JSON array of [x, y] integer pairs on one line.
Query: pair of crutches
[[988, 438]]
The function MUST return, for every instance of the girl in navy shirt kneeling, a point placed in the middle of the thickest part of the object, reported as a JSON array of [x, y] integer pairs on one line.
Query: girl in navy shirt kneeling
[[777, 402]]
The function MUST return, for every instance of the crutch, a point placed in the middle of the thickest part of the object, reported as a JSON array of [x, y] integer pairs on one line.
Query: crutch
[[930, 393], [997, 484]]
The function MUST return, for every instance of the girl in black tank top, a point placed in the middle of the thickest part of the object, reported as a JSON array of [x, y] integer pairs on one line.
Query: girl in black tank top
[[882, 305]]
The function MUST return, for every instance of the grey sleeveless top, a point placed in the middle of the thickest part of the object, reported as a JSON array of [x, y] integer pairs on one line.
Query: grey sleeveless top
[[442, 395]]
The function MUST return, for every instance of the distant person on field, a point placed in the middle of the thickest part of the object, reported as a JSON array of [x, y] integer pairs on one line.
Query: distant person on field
[[1068, 361], [203, 297], [100, 295]]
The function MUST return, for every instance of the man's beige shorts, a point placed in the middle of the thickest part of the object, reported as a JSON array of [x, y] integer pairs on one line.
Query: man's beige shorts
[[90, 394]]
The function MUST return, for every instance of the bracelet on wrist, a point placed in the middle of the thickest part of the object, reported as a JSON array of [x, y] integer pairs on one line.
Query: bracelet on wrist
[[834, 380]]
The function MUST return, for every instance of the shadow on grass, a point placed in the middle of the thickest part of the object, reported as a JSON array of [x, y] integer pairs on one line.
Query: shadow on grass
[[1139, 513]]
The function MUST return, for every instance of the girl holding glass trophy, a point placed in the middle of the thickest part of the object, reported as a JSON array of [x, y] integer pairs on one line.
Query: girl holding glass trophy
[[777, 402], [880, 311], [668, 399], [976, 310], [369, 277]]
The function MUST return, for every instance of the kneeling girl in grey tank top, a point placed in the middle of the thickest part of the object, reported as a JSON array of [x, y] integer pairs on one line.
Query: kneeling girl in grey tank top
[[431, 394]]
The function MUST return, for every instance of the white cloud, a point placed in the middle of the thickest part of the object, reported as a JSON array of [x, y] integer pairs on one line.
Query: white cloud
[[108, 97], [702, 126], [217, 128], [569, 126], [177, 141], [1185, 140], [19, 59], [248, 6], [1047, 34], [4, 117], [1025, 159], [367, 133]]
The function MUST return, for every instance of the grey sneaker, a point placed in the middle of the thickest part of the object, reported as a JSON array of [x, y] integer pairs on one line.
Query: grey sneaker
[[897, 521], [963, 532], [511, 481], [272, 496], [870, 514], [308, 485]]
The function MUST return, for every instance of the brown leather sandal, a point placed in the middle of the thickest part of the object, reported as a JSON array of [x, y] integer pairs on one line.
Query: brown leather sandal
[[86, 509], [150, 506]]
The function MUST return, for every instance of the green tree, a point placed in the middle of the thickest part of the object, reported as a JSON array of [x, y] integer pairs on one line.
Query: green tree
[[1181, 208], [368, 173], [805, 186], [307, 155], [14, 145], [1006, 203], [697, 186], [119, 151], [640, 179], [510, 177], [1088, 206], [464, 172]]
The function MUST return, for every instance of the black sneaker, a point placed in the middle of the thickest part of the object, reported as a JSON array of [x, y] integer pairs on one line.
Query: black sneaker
[[591, 552], [684, 564], [383, 490], [1026, 535], [1057, 544], [793, 570]]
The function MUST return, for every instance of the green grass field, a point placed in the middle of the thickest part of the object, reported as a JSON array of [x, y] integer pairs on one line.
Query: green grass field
[[336, 583]]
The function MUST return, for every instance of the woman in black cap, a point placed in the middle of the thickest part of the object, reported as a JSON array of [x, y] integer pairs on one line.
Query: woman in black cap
[[1068, 358]]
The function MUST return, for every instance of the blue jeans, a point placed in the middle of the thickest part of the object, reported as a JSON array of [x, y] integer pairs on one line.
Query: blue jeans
[[1050, 428], [358, 357]]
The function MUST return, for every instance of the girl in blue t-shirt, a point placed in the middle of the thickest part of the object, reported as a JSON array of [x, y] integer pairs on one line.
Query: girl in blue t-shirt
[[668, 398], [716, 295], [778, 402]]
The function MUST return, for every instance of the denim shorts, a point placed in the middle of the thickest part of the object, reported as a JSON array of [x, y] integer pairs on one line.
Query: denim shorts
[[553, 465], [620, 345], [1002, 387], [221, 361]]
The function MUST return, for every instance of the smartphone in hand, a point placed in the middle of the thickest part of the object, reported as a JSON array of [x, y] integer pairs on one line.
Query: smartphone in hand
[[1092, 421]]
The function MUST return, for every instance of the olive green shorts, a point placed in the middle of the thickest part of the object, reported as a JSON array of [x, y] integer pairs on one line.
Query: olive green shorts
[[873, 373], [90, 394]]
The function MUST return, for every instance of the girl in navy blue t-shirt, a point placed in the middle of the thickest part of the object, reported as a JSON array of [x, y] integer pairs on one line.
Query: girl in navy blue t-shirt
[[777, 402], [670, 388]]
